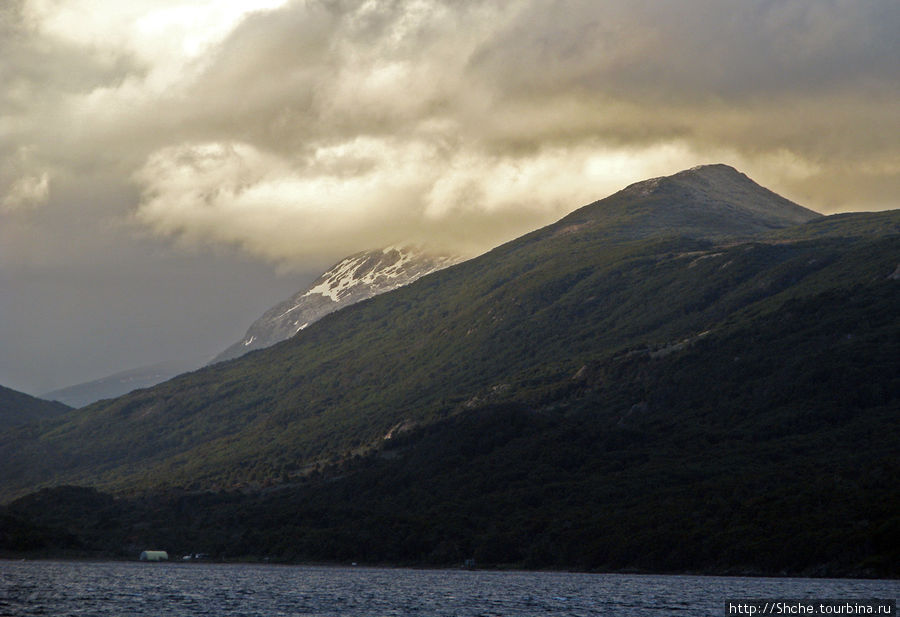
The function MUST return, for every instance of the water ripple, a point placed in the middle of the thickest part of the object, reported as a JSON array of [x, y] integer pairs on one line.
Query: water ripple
[[124, 589]]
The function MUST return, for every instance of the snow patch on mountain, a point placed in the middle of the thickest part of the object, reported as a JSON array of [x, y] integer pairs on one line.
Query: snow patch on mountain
[[351, 280], [388, 270]]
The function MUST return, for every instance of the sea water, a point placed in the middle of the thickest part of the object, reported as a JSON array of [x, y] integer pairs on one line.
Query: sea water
[[122, 589]]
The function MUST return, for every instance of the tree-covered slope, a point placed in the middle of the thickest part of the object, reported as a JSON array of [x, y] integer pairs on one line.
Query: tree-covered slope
[[513, 325], [767, 446]]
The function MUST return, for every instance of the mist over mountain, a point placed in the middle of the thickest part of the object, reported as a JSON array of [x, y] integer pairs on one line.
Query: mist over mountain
[[354, 278], [681, 376]]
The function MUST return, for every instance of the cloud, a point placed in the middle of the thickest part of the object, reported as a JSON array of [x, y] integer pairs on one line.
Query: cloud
[[165, 38], [27, 192], [290, 129], [372, 192], [235, 193]]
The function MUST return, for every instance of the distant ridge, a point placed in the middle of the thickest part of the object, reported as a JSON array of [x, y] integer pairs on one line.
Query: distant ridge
[[20, 408], [114, 385]]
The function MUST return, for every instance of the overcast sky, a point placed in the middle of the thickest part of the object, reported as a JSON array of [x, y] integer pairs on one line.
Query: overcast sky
[[171, 168]]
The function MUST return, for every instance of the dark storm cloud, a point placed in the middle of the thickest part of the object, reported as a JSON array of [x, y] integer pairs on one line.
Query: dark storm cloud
[[750, 76]]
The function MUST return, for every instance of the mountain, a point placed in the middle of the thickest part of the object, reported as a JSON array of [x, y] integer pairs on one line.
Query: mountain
[[354, 278], [664, 380], [115, 385], [614, 274], [351, 280], [20, 408], [711, 201]]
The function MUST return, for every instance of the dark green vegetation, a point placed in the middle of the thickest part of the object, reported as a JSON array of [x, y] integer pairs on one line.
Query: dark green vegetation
[[20, 408], [655, 382]]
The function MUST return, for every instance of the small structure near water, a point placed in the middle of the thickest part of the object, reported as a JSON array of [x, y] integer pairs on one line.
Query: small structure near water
[[154, 556]]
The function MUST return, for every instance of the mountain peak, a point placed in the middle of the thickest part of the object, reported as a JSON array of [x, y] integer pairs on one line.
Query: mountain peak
[[712, 169], [712, 176], [707, 201], [716, 175]]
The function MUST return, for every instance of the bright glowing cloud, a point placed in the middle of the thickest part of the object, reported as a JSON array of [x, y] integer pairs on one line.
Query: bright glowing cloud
[[165, 37], [371, 192], [27, 192]]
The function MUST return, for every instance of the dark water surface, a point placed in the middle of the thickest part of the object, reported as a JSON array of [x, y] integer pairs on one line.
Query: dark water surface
[[122, 589]]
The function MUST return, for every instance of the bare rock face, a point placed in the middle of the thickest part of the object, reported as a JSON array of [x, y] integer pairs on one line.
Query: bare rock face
[[351, 280]]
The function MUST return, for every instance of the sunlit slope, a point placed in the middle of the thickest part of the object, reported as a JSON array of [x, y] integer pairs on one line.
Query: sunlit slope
[[523, 323]]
